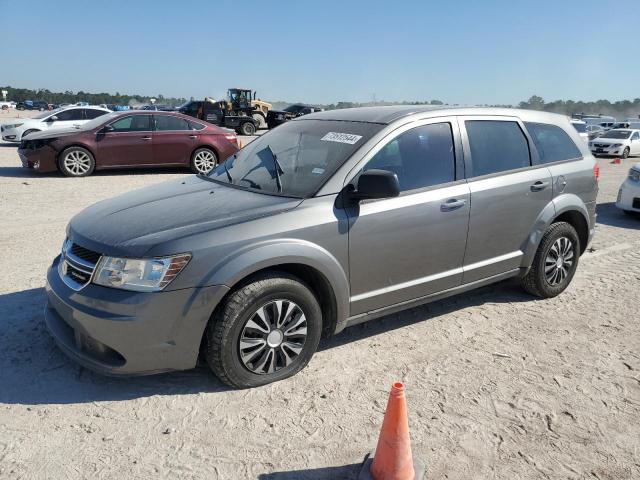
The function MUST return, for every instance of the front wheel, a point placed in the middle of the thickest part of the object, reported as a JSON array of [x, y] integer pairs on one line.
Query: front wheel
[[76, 162], [555, 262], [267, 330], [247, 128], [203, 161], [625, 152]]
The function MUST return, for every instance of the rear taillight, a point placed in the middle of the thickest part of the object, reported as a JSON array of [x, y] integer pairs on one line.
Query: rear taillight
[[232, 138], [596, 172]]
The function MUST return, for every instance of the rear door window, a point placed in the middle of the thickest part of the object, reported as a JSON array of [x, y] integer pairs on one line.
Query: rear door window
[[69, 115], [91, 113], [169, 123], [552, 142], [496, 146]]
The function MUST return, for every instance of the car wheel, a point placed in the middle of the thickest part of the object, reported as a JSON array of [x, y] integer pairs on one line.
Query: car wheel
[[267, 330], [76, 162], [259, 118], [203, 161], [27, 132], [248, 128], [555, 262], [625, 152]]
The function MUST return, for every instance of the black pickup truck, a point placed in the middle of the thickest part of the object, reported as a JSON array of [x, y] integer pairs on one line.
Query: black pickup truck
[[278, 117], [215, 113]]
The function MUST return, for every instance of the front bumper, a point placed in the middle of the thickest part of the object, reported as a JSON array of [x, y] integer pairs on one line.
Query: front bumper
[[41, 159], [610, 151], [9, 135], [118, 332], [629, 196]]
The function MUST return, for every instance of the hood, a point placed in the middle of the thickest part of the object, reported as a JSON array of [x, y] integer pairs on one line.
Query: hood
[[54, 133], [130, 224], [609, 141]]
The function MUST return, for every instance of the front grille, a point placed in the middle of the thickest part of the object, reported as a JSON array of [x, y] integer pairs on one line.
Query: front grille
[[601, 145], [85, 253], [77, 265]]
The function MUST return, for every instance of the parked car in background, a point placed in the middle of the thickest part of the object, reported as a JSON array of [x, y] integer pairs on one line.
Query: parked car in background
[[330, 220], [629, 193], [129, 140], [581, 128], [158, 108], [594, 131], [32, 105], [67, 117], [633, 124], [621, 143], [278, 117]]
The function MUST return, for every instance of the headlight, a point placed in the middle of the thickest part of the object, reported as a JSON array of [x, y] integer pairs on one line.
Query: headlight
[[634, 175], [148, 275], [13, 125], [616, 145]]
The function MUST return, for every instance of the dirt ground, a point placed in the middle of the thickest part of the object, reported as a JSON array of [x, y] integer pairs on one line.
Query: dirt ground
[[499, 384]]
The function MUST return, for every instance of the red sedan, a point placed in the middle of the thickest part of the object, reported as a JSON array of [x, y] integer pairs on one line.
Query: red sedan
[[129, 140]]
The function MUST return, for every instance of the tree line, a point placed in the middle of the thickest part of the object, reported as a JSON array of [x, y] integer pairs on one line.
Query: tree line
[[22, 94]]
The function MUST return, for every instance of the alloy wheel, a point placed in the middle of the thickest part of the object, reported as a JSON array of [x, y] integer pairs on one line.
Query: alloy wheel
[[204, 161], [77, 162], [273, 337], [559, 261]]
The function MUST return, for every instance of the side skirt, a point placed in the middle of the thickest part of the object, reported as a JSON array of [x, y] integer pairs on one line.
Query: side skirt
[[381, 312]]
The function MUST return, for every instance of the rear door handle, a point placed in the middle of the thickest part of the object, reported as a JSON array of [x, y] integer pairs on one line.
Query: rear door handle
[[539, 185], [145, 138], [452, 204]]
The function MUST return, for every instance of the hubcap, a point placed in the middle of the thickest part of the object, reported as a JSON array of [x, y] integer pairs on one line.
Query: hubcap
[[77, 162], [204, 161], [559, 261], [273, 337]]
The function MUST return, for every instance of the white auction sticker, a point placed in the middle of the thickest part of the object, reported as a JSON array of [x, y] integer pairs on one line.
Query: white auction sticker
[[341, 137]]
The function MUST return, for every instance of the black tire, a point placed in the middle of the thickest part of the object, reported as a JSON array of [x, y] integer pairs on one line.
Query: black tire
[[87, 159], [535, 281], [27, 132], [248, 128], [222, 346], [625, 152], [259, 117], [197, 160]]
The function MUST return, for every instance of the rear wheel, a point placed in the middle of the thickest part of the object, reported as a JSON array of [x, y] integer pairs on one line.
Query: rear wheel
[[267, 330], [76, 162], [625, 152], [555, 262], [203, 160], [247, 128]]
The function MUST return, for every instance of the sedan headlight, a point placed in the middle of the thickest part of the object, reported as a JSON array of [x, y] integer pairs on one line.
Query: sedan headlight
[[140, 275], [634, 175], [615, 145], [13, 125]]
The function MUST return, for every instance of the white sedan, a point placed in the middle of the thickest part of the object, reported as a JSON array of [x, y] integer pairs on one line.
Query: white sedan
[[629, 193], [617, 142], [19, 128]]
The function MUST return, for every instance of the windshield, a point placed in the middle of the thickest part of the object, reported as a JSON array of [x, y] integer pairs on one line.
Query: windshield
[[619, 134], [96, 122], [47, 113], [295, 159], [580, 127]]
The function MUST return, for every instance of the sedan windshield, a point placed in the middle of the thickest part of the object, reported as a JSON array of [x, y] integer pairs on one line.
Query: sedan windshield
[[47, 113], [295, 159], [96, 122], [619, 134]]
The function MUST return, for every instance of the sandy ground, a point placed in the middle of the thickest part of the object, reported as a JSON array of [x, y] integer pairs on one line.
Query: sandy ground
[[500, 385]]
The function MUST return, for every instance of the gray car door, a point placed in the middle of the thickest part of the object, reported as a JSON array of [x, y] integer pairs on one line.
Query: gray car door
[[507, 194], [413, 245]]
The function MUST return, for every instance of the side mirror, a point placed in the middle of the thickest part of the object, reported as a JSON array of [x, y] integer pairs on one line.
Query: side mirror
[[376, 184], [52, 118], [106, 129]]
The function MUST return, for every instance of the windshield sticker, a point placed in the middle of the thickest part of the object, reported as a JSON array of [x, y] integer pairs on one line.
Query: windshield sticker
[[341, 138], [317, 171]]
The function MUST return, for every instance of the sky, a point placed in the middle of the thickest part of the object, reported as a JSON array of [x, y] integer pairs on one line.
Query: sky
[[465, 52]]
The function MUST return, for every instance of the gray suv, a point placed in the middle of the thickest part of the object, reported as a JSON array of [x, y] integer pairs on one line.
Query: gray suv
[[330, 220]]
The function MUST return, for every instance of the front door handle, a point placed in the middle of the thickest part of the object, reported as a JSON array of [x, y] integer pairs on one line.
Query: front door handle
[[452, 204], [193, 136], [145, 138], [539, 185]]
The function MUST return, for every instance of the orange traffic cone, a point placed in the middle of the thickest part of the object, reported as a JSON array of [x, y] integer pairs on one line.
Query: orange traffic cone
[[393, 459], [617, 161]]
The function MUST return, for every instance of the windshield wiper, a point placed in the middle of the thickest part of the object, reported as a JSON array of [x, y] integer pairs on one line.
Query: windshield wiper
[[279, 170], [226, 170]]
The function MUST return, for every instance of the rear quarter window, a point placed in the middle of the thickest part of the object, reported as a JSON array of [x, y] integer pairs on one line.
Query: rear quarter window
[[552, 142]]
